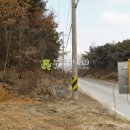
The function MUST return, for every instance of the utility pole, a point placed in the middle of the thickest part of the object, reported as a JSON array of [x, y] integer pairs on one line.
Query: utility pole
[[63, 52], [74, 52]]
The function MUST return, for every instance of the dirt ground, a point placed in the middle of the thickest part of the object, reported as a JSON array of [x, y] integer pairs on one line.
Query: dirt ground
[[22, 113], [20, 109]]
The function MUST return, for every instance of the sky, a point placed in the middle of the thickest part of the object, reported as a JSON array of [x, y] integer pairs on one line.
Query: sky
[[98, 21]]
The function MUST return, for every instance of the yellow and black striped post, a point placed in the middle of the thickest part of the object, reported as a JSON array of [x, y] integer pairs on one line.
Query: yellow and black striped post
[[129, 76], [74, 83]]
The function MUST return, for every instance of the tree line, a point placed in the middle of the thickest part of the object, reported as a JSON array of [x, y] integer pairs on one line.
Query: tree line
[[27, 34], [105, 58]]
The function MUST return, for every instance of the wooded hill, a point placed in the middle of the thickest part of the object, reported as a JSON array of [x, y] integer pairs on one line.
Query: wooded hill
[[27, 34], [103, 59]]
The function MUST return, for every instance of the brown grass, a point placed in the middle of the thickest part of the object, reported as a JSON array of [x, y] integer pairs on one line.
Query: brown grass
[[4, 95]]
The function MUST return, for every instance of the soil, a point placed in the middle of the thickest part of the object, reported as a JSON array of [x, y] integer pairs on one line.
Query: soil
[[23, 113], [26, 105]]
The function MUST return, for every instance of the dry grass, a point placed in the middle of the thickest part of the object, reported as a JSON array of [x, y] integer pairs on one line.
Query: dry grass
[[112, 77], [82, 114], [4, 94]]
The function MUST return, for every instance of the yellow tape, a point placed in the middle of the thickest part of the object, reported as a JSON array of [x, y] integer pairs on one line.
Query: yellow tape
[[75, 87], [74, 83], [74, 79]]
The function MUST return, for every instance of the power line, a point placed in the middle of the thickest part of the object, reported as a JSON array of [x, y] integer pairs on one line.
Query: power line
[[59, 14], [71, 25], [67, 26], [77, 3], [68, 17], [65, 12], [68, 37]]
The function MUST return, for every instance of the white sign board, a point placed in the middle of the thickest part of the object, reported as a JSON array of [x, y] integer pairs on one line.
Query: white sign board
[[123, 77]]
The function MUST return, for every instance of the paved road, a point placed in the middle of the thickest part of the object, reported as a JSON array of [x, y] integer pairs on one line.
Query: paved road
[[103, 92]]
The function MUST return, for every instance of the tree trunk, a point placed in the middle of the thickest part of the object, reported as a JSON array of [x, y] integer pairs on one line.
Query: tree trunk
[[7, 54], [20, 48]]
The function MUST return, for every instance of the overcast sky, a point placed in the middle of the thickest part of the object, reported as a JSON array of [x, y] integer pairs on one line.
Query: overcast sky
[[98, 21]]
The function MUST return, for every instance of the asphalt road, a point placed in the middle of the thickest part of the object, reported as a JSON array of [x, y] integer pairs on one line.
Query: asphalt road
[[103, 92]]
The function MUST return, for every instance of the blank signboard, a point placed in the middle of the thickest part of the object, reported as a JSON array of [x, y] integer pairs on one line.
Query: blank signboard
[[123, 77]]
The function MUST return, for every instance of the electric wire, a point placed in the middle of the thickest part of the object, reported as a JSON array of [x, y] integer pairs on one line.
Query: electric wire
[[77, 3], [59, 14], [71, 25], [67, 26], [68, 38], [68, 17]]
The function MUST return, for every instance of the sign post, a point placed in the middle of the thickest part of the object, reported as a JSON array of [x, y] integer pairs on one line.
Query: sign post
[[129, 76]]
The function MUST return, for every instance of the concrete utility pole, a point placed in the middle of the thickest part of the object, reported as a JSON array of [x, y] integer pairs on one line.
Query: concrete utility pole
[[74, 52]]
